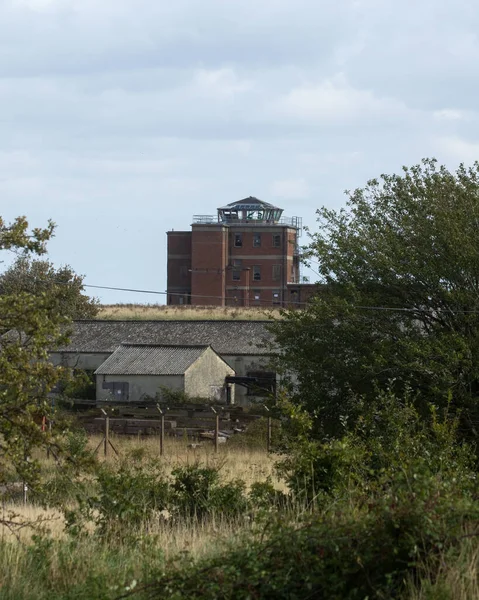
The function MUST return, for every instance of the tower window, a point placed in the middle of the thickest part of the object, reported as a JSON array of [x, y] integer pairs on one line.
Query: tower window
[[276, 272], [257, 273], [256, 240], [237, 264], [238, 240], [276, 240]]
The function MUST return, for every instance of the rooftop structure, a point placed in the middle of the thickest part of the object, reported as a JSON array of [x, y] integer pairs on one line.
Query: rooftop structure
[[246, 255], [249, 211]]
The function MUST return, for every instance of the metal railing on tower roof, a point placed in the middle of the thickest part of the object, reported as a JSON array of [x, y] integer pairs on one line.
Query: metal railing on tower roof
[[295, 222]]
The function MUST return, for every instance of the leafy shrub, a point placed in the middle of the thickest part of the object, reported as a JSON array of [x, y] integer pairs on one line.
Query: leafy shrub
[[128, 498], [81, 385], [174, 396], [263, 495], [192, 488], [166, 394], [66, 482], [198, 493], [229, 499], [350, 550], [390, 437]]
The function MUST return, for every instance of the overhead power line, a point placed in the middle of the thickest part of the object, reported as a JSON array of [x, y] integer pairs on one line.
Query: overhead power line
[[360, 307], [269, 303], [161, 293]]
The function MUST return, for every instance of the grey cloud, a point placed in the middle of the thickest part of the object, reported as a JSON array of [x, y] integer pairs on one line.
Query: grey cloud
[[122, 119], [93, 37]]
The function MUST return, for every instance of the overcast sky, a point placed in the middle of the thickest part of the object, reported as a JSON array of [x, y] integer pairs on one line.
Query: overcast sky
[[120, 119]]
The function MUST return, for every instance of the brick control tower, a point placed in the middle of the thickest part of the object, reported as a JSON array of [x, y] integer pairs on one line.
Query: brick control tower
[[247, 255]]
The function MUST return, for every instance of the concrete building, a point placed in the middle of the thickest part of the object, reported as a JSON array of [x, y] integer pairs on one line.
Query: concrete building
[[246, 346], [138, 371], [247, 255]]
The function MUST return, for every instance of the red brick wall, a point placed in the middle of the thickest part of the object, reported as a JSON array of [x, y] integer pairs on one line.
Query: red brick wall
[[179, 267], [209, 253], [271, 289], [209, 256]]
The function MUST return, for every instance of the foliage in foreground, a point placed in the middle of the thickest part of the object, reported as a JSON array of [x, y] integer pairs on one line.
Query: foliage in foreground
[[26, 374], [397, 492], [373, 545], [63, 286], [400, 266], [124, 502], [383, 513]]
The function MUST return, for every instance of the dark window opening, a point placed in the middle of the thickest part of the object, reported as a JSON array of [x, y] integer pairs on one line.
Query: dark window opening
[[237, 264], [238, 240], [276, 297], [256, 240], [256, 273], [276, 240], [265, 383]]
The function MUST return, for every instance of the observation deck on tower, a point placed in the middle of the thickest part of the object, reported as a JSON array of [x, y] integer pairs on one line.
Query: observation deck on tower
[[249, 211]]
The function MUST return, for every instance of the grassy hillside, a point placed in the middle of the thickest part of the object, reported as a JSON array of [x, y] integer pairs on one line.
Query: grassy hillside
[[161, 311]]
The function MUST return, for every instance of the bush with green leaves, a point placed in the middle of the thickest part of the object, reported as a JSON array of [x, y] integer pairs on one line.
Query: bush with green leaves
[[263, 495], [349, 551], [198, 493], [129, 497], [124, 501], [389, 437], [408, 496], [81, 386]]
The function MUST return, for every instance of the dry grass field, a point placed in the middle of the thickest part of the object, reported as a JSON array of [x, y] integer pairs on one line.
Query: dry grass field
[[244, 463], [59, 567], [249, 465], [162, 312]]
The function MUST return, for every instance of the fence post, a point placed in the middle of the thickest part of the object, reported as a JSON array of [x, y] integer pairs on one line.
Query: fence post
[[217, 428], [107, 435], [162, 430], [269, 434], [162, 435]]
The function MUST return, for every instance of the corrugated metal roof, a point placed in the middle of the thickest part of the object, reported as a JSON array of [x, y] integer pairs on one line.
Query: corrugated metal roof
[[225, 337], [130, 359]]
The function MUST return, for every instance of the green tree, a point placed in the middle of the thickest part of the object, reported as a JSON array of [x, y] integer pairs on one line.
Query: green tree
[[399, 304], [63, 286], [26, 374]]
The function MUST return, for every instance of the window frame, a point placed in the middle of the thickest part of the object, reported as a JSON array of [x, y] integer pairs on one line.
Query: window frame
[[238, 241], [276, 237], [256, 240], [256, 272], [276, 272]]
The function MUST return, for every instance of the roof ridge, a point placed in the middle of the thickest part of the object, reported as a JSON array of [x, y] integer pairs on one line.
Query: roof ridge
[[173, 321], [146, 344]]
